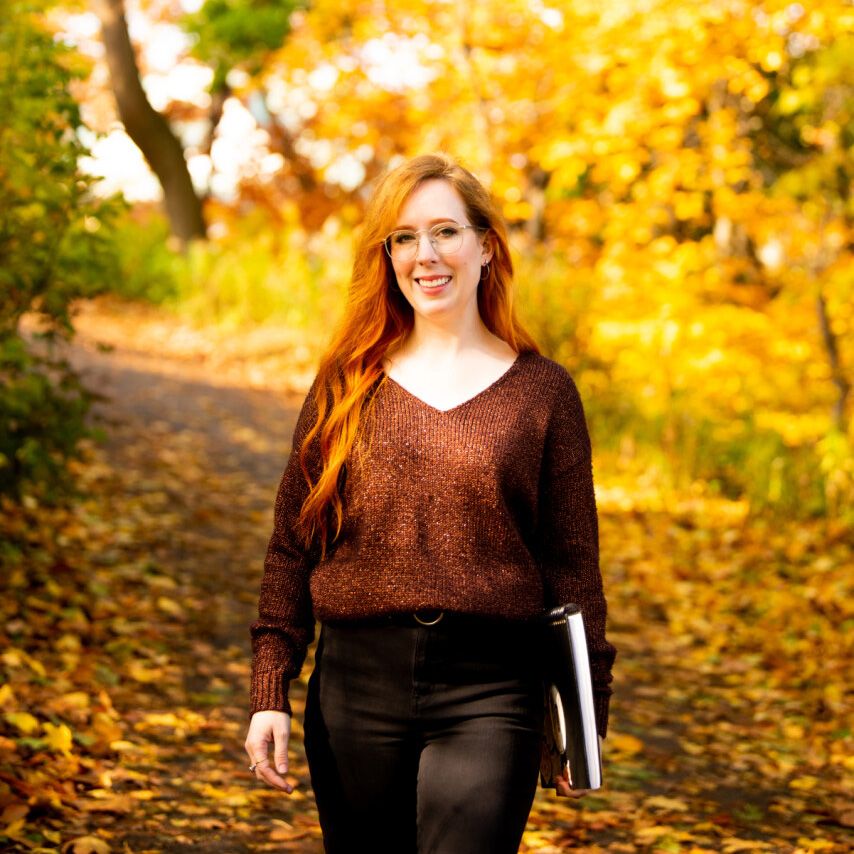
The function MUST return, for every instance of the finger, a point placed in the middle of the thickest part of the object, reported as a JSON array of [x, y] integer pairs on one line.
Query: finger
[[565, 792], [269, 776], [280, 754], [564, 789], [568, 792], [264, 771], [256, 750]]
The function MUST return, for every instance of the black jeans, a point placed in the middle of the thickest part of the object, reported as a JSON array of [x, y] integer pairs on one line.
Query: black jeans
[[424, 739]]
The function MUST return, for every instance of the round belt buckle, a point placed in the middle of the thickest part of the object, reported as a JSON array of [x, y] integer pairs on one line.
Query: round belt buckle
[[428, 622]]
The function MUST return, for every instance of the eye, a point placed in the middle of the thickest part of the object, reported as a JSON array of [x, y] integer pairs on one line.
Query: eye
[[401, 238], [446, 231]]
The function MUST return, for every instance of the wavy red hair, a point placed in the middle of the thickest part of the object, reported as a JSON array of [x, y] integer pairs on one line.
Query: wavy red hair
[[377, 317]]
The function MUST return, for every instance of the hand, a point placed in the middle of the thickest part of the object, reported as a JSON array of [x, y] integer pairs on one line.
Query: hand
[[264, 728], [563, 788]]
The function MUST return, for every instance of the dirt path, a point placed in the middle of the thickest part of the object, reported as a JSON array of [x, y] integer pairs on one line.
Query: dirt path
[[203, 456], [193, 457]]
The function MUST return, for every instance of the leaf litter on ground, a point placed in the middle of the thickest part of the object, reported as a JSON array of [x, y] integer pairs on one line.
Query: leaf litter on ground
[[125, 653]]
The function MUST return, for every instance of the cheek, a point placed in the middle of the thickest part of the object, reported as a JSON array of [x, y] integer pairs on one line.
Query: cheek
[[402, 271], [470, 267]]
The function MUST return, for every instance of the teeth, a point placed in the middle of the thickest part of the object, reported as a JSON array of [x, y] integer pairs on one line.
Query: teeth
[[434, 283]]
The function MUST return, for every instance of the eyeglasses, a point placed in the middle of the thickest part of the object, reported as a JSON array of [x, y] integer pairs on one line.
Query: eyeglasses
[[446, 238]]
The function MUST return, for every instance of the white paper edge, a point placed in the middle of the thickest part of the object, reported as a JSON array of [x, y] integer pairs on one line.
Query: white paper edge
[[581, 661]]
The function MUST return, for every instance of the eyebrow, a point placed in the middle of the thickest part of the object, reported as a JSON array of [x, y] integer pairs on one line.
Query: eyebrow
[[432, 222]]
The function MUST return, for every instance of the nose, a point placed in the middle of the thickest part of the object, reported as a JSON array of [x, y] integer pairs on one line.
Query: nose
[[425, 250]]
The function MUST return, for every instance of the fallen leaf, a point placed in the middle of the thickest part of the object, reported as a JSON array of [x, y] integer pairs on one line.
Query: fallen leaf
[[662, 802], [119, 804], [7, 697], [86, 845], [623, 743], [13, 812], [58, 737], [803, 783], [23, 721], [170, 606]]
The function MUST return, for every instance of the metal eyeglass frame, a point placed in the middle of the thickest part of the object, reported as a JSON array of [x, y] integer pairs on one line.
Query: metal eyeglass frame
[[430, 237]]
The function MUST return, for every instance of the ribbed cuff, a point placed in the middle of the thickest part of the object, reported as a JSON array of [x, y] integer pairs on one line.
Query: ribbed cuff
[[269, 692], [601, 703]]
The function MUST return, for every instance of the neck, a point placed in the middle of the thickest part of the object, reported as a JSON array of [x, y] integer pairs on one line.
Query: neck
[[441, 342]]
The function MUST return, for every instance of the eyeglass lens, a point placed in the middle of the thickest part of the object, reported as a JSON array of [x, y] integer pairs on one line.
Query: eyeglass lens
[[446, 238]]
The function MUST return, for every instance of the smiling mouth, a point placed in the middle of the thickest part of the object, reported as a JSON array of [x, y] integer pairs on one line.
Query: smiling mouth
[[429, 282]]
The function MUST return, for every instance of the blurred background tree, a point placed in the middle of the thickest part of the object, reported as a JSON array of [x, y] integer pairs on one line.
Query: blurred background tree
[[676, 175], [147, 127], [229, 35]]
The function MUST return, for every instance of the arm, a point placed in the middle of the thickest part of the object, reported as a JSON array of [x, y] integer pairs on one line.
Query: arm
[[569, 535], [285, 624]]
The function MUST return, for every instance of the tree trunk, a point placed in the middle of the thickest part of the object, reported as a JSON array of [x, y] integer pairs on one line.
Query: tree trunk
[[831, 346], [146, 127]]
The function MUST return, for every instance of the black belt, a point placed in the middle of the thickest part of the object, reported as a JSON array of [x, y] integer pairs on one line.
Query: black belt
[[422, 617], [428, 617]]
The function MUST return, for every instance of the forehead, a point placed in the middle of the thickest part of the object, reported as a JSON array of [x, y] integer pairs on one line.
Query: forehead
[[435, 199]]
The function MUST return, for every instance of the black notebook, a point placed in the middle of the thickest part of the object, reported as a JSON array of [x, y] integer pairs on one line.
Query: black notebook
[[570, 737]]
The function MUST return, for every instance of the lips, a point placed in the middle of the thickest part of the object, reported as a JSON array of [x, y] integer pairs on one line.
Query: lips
[[431, 283]]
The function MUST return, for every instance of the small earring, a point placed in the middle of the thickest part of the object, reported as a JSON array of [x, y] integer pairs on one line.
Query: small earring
[[484, 266]]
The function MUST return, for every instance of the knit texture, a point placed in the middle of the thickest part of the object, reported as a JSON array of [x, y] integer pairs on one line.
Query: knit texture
[[486, 508]]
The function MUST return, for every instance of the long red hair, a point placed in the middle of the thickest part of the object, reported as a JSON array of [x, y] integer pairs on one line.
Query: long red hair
[[378, 317]]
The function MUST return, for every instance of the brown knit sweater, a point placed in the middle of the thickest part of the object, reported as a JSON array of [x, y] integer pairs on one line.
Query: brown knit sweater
[[486, 508]]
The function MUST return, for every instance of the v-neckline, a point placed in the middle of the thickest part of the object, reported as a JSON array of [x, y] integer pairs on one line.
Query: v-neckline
[[470, 400]]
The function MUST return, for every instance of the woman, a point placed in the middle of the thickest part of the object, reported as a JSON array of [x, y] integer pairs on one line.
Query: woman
[[438, 497]]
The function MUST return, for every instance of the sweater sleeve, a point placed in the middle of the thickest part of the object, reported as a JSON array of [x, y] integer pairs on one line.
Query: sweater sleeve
[[569, 535], [285, 624]]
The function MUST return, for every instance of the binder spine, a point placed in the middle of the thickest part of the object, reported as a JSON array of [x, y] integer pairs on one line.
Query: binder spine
[[569, 673]]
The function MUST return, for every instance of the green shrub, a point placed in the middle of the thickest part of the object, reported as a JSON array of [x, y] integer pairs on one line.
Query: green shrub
[[148, 267], [43, 408], [55, 246]]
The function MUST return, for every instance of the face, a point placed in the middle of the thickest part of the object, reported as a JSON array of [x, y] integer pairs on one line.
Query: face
[[437, 284]]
